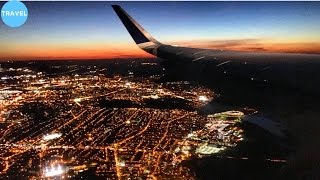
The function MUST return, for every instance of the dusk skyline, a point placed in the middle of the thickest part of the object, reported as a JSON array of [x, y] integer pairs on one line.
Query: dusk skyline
[[91, 30]]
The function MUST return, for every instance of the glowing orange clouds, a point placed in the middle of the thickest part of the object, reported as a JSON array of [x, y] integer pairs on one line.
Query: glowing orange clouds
[[255, 45]]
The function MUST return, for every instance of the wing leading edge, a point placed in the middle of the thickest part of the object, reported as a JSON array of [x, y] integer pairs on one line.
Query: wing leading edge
[[141, 37]]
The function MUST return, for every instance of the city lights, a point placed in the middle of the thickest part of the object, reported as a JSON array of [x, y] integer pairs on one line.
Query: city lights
[[203, 98], [51, 136], [77, 100], [94, 118], [53, 171], [206, 149]]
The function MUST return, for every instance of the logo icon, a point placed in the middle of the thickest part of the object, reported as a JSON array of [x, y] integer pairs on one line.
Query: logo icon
[[14, 13]]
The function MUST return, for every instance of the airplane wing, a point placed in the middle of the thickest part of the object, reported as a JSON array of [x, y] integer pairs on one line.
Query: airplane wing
[[290, 69]]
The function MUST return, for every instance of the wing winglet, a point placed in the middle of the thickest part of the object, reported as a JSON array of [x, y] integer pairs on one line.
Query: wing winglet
[[138, 34]]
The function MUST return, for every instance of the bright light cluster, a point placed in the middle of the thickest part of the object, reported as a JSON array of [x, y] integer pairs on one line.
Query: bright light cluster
[[51, 136], [203, 98], [53, 171], [208, 149]]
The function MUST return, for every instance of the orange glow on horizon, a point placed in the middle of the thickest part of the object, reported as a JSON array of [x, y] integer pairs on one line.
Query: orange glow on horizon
[[85, 51], [256, 46], [79, 53]]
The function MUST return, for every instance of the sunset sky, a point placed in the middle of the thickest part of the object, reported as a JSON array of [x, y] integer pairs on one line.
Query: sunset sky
[[91, 30]]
